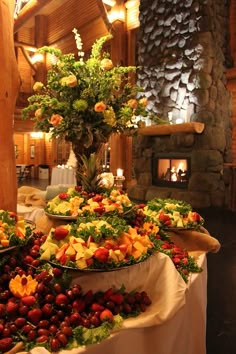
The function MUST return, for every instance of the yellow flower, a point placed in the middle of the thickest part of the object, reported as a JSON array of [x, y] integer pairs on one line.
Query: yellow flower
[[106, 64], [38, 86], [143, 101], [132, 103], [70, 81], [109, 116], [100, 107], [55, 119]]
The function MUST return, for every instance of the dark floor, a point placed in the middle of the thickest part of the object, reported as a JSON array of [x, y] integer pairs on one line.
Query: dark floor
[[221, 309]]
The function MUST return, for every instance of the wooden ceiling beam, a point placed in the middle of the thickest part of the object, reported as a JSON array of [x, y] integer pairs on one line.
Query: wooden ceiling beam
[[28, 11]]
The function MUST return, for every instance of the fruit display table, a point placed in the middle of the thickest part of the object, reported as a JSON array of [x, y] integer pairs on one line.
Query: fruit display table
[[174, 323]]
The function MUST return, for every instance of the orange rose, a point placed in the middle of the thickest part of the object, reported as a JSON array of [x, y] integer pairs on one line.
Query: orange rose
[[56, 119], [100, 107], [132, 103]]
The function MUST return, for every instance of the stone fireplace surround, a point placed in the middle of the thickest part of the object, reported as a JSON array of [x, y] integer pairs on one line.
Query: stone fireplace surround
[[182, 53], [209, 182]]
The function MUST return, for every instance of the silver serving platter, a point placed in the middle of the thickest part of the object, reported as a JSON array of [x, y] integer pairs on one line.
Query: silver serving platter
[[60, 217]]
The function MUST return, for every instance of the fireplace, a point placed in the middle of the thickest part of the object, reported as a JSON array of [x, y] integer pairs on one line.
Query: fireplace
[[171, 170]]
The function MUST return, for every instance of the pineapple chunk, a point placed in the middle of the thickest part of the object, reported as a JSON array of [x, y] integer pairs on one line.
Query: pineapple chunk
[[113, 256], [88, 254], [78, 247], [70, 251], [119, 255], [81, 263]]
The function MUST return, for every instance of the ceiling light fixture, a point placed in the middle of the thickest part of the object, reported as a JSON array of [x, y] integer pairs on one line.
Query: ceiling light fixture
[[109, 2]]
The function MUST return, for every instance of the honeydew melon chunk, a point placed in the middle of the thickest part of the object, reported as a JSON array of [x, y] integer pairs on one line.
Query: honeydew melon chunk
[[51, 245]]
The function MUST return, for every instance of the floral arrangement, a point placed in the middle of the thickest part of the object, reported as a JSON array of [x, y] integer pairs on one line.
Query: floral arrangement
[[84, 101]]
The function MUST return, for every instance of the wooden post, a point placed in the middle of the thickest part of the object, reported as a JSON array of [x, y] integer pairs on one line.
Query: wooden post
[[9, 86]]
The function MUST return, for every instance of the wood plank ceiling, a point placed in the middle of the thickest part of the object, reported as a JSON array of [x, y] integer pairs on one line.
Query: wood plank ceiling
[[50, 22]]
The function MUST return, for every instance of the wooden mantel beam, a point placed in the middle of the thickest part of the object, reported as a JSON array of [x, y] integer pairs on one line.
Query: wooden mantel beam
[[167, 129], [28, 11]]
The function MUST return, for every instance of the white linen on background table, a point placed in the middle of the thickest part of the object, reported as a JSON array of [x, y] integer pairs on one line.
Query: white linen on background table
[[175, 323]]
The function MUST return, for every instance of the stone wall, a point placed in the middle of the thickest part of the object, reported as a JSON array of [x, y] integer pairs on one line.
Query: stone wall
[[182, 52]]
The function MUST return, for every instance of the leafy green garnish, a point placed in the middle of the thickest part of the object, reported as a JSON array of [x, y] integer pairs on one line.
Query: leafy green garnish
[[86, 336]]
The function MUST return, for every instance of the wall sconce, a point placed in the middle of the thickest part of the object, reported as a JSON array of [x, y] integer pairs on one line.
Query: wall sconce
[[116, 15], [109, 2]]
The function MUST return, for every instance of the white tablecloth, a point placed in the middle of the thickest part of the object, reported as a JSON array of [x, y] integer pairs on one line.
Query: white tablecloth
[[63, 176], [175, 323]]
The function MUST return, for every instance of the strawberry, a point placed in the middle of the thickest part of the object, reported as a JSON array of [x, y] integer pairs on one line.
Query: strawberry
[[13, 215], [164, 218], [61, 300], [97, 307], [196, 217], [78, 188], [88, 297], [63, 259], [78, 305], [11, 307], [89, 262], [5, 344], [2, 310], [34, 315], [106, 315], [60, 233], [63, 196], [99, 210], [107, 294], [123, 248], [117, 298], [28, 259], [29, 300], [97, 198], [101, 254]]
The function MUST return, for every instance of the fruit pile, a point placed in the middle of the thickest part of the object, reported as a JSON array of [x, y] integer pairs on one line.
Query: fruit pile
[[13, 229], [76, 202], [96, 242], [171, 213], [39, 307]]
